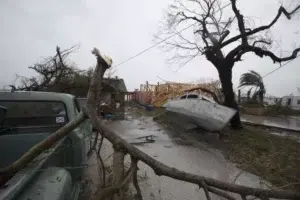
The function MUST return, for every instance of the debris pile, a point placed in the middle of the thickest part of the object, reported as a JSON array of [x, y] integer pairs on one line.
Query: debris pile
[[158, 94]]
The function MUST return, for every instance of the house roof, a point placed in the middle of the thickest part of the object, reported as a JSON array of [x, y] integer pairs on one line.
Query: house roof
[[116, 83]]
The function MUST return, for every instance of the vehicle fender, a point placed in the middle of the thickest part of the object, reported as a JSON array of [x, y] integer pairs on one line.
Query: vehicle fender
[[51, 184]]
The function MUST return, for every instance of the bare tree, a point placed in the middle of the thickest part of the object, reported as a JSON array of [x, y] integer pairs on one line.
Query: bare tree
[[52, 73], [212, 38]]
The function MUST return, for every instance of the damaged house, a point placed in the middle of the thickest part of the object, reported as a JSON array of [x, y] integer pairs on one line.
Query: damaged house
[[112, 97], [113, 94]]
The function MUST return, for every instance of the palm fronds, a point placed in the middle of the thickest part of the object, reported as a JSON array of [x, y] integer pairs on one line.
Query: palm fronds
[[254, 79]]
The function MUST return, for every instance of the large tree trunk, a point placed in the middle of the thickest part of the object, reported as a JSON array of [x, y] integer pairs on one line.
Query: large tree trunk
[[225, 75]]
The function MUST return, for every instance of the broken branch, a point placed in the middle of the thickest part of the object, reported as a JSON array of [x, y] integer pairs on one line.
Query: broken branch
[[102, 170], [204, 186], [281, 11], [135, 181], [109, 191], [241, 24], [220, 193], [261, 41]]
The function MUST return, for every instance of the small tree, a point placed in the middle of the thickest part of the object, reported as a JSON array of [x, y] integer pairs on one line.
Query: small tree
[[211, 38], [52, 74], [254, 79], [57, 74]]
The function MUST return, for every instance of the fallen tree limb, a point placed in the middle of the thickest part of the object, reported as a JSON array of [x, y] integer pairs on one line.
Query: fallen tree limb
[[100, 145], [161, 169], [220, 193], [94, 144], [101, 168], [204, 186], [158, 167], [141, 143]]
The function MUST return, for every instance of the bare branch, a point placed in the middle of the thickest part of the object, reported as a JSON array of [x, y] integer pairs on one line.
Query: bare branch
[[101, 168], [237, 53], [191, 43], [188, 60], [135, 181], [180, 46], [241, 23], [220, 193], [281, 11], [109, 191], [93, 147], [225, 34], [261, 41], [204, 186]]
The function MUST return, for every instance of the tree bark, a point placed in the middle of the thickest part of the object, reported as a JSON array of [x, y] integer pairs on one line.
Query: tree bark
[[225, 75], [118, 171]]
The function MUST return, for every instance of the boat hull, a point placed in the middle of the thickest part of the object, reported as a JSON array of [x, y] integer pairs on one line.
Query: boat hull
[[207, 115]]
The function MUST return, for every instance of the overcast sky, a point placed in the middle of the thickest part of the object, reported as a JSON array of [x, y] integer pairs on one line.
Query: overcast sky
[[31, 29]]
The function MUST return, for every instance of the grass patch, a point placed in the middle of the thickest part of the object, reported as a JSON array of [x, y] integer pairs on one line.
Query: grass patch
[[271, 110], [276, 159]]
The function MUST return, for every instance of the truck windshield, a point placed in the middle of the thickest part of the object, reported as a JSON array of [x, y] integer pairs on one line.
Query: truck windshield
[[34, 113]]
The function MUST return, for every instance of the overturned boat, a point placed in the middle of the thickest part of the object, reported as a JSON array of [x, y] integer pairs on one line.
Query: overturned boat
[[201, 111]]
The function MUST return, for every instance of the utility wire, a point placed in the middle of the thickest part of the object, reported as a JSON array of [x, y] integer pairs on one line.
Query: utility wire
[[145, 50], [271, 72], [178, 32]]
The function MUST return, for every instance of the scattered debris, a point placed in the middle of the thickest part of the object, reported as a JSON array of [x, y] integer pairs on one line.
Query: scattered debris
[[148, 139]]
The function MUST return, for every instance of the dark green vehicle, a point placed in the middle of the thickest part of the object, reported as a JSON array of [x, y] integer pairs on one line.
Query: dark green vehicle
[[26, 119]]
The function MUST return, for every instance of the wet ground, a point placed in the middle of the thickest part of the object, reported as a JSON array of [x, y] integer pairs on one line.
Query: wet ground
[[289, 123], [182, 150], [292, 123]]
